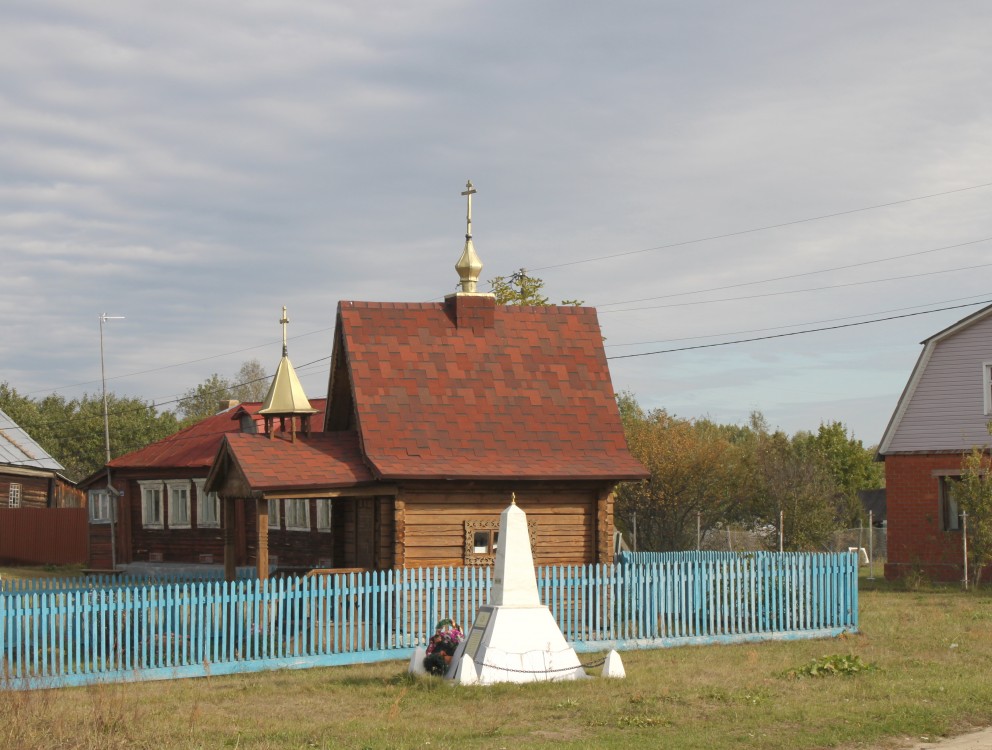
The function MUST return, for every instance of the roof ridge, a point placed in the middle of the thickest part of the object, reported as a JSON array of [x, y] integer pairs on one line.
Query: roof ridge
[[30, 456]]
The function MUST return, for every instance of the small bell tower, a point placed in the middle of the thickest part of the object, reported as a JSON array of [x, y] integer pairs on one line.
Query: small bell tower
[[286, 399]]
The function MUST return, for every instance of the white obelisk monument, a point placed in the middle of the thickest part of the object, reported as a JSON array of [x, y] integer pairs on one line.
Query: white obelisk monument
[[514, 638]]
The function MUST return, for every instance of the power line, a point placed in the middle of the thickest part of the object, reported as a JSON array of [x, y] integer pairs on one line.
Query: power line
[[795, 275], [796, 325], [796, 333], [797, 291], [738, 233], [154, 404], [177, 364]]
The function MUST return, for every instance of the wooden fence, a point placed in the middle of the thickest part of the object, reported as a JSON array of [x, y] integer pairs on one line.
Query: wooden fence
[[44, 536], [121, 632]]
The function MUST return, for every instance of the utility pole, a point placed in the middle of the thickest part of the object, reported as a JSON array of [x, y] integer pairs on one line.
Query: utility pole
[[964, 542], [111, 492]]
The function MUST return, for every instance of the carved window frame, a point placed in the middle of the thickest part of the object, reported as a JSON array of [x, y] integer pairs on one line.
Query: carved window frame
[[152, 503], [474, 558]]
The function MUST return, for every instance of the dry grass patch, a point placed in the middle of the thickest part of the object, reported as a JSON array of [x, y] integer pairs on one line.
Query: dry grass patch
[[13, 572]]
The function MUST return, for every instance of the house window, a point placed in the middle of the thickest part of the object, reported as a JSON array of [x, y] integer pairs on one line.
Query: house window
[[14, 496], [179, 517], [323, 514], [482, 541], [987, 386], [274, 514], [207, 507], [99, 503], [950, 513], [298, 514], [151, 504]]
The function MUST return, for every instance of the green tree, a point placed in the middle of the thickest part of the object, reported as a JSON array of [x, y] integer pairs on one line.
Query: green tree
[[695, 473], [250, 383], [72, 432], [974, 496], [519, 288], [794, 493], [852, 466], [204, 399]]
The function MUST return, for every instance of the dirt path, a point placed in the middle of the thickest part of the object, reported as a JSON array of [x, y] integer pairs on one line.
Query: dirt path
[[980, 740]]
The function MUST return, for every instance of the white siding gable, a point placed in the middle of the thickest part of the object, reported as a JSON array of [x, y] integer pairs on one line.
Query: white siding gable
[[943, 406]]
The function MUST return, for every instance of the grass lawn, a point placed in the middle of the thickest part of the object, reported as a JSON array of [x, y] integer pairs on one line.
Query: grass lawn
[[931, 653]]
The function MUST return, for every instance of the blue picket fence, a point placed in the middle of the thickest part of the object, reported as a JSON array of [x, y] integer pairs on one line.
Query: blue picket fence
[[52, 637]]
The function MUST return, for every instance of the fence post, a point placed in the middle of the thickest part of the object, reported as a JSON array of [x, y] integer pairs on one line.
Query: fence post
[[871, 545]]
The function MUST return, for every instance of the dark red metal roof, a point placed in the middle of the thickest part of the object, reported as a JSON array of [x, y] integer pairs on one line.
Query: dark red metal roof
[[196, 446], [483, 392]]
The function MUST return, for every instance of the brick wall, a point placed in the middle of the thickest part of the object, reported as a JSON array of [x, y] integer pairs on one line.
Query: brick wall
[[915, 537]]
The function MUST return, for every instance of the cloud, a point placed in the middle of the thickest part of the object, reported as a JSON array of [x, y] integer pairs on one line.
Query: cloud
[[195, 166]]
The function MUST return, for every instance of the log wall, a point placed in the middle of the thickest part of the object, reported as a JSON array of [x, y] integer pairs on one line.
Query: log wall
[[570, 521], [34, 490]]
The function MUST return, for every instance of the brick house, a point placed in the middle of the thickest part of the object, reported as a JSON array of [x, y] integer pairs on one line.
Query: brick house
[[29, 476], [941, 415], [436, 414]]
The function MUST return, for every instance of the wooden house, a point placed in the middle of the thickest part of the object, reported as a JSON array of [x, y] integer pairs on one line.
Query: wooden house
[[436, 412], [29, 476], [941, 415], [163, 513]]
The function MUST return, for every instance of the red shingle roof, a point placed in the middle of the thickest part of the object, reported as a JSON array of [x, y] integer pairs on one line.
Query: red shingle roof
[[322, 460], [483, 392], [197, 445]]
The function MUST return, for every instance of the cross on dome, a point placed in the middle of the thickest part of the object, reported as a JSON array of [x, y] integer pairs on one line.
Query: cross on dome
[[284, 321], [469, 266], [469, 192]]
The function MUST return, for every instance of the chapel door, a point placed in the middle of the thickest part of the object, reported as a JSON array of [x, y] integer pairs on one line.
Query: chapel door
[[365, 532]]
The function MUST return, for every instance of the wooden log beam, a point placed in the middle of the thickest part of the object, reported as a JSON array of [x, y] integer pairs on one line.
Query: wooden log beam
[[262, 524], [230, 530]]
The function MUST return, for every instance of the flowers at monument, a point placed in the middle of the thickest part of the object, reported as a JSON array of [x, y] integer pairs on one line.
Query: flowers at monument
[[441, 647]]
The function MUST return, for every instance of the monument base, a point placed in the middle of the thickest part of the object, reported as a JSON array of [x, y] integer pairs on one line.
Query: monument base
[[515, 644]]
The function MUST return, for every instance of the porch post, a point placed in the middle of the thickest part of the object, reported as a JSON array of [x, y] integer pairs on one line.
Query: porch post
[[262, 524], [604, 526], [230, 561]]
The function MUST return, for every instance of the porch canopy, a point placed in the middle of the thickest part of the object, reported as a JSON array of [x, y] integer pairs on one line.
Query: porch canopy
[[254, 469]]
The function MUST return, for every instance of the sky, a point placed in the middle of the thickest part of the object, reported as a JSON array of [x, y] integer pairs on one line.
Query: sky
[[700, 172]]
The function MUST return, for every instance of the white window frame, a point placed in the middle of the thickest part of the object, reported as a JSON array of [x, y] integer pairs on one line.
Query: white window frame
[[206, 500], [292, 510], [987, 387], [171, 488], [14, 495], [274, 515], [148, 519], [99, 506], [325, 513]]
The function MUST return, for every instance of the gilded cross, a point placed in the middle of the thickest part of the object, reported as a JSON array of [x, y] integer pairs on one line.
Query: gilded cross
[[469, 192], [284, 321]]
